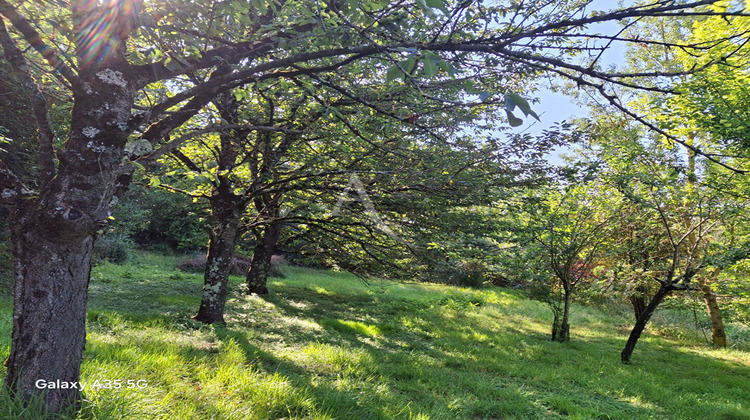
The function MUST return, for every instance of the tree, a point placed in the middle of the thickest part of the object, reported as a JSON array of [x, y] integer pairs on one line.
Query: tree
[[707, 114], [687, 231], [669, 237], [675, 219], [569, 223], [111, 57]]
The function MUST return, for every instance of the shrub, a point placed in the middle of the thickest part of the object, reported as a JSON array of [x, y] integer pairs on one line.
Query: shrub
[[155, 218], [470, 274], [113, 247]]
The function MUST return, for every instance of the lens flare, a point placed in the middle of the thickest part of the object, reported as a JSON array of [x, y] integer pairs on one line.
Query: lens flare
[[103, 27]]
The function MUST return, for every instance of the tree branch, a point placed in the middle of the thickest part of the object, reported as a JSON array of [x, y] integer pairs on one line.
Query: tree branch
[[35, 40], [46, 136]]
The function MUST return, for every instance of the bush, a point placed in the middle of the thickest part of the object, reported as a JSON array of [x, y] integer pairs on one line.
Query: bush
[[471, 273], [113, 247], [155, 218]]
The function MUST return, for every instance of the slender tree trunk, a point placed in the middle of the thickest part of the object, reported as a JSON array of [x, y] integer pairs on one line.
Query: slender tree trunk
[[260, 266], [564, 334], [555, 324], [640, 324], [718, 334]]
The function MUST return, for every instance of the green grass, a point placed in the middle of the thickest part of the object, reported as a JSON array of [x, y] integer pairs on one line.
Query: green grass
[[324, 345]]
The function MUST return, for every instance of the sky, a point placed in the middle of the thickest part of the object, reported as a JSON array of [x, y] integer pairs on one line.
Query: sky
[[553, 107]]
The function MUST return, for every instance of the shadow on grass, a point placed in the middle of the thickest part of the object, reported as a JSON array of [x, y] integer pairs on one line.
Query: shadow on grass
[[420, 356], [469, 370]]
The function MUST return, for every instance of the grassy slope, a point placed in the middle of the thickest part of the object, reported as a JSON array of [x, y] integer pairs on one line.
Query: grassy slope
[[325, 345]]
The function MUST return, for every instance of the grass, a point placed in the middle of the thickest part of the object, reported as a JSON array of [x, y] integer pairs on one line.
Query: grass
[[324, 345]]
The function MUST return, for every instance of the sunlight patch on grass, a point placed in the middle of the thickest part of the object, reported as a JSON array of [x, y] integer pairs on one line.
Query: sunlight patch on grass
[[355, 327], [329, 359], [637, 402], [322, 290]]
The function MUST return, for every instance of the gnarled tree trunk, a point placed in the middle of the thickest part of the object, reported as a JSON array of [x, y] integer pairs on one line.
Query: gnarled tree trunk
[[49, 316], [226, 209], [53, 235]]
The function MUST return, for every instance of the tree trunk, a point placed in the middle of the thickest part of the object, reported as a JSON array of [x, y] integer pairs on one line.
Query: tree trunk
[[564, 334], [49, 315], [260, 266], [216, 276], [640, 324], [638, 299], [226, 210], [53, 234], [718, 335], [555, 325]]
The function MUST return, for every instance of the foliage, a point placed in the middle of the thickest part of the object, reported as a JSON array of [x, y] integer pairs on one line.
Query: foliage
[[156, 218], [140, 73], [113, 247]]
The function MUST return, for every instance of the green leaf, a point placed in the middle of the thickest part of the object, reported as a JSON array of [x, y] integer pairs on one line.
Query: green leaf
[[423, 5], [172, 65], [437, 4], [483, 96], [154, 181], [261, 6], [447, 67], [469, 87], [513, 100], [430, 68], [393, 73], [409, 64], [512, 119]]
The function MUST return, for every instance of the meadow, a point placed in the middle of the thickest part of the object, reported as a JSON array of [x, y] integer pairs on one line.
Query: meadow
[[326, 345]]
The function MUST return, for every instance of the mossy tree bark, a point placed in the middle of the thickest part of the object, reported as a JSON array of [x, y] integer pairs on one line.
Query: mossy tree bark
[[53, 231], [226, 210], [216, 276], [260, 266]]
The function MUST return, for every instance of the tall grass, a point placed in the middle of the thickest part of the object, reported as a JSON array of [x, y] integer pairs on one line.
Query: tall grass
[[325, 345]]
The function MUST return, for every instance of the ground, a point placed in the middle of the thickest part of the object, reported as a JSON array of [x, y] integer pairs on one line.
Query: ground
[[326, 345]]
